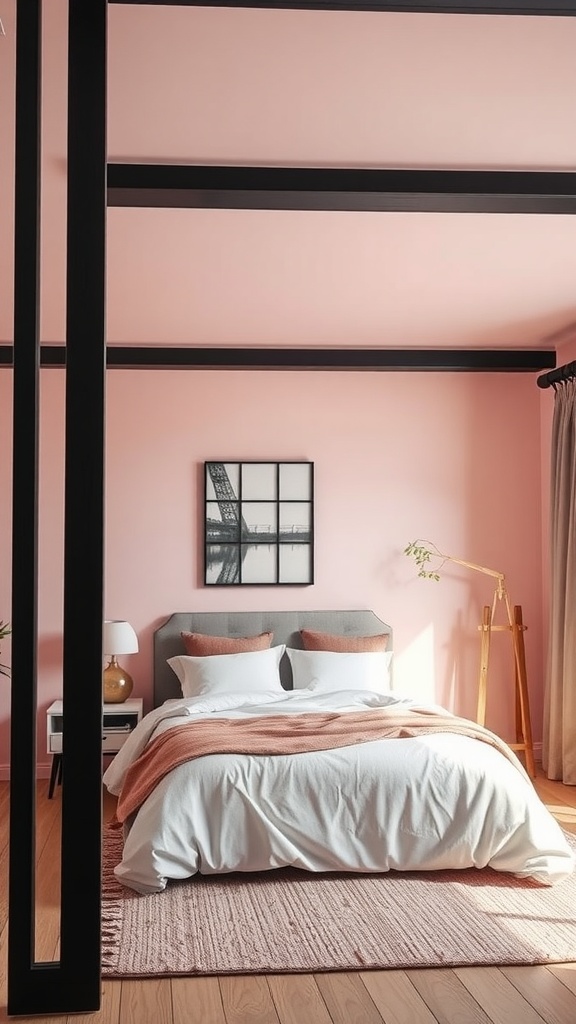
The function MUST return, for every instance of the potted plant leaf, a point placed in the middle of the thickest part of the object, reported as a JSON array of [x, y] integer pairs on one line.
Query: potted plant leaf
[[5, 630]]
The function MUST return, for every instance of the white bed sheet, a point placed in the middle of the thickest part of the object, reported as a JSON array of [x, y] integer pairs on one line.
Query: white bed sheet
[[434, 802]]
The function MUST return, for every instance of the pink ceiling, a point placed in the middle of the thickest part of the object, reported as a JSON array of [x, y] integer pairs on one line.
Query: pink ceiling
[[325, 88], [318, 88], [420, 280]]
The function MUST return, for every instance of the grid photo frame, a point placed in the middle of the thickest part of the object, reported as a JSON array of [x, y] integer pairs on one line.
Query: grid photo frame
[[258, 523]]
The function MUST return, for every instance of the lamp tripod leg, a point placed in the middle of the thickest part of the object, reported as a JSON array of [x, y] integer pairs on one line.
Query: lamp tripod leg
[[523, 724], [484, 656], [515, 627]]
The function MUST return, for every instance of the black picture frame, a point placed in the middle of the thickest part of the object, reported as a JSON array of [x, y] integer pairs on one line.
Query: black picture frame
[[258, 523]]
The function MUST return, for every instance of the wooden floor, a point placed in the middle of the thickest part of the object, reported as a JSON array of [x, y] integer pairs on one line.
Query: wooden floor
[[478, 995]]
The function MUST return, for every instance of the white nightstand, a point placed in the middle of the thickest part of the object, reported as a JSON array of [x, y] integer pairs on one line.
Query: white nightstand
[[118, 721]]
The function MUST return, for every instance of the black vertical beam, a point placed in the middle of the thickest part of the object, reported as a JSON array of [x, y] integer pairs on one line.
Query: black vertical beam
[[71, 984], [84, 505], [21, 887]]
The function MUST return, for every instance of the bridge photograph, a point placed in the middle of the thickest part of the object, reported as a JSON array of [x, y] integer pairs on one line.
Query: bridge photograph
[[258, 523]]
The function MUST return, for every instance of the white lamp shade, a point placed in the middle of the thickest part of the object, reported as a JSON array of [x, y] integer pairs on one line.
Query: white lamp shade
[[118, 637]]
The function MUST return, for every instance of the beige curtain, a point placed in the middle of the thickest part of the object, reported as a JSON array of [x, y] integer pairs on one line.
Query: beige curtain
[[559, 739]]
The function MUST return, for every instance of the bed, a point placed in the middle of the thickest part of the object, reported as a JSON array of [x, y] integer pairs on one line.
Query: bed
[[292, 748]]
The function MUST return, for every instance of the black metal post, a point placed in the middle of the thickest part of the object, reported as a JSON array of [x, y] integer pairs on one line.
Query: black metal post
[[84, 506], [23, 989], [71, 984]]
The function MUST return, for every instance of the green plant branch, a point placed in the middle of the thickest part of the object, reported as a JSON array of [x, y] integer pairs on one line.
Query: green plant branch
[[422, 555]]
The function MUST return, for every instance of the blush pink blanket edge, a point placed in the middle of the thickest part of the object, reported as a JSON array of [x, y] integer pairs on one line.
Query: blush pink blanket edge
[[281, 734]]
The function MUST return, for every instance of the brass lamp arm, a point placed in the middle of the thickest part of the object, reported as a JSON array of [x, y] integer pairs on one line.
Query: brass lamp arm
[[480, 568]]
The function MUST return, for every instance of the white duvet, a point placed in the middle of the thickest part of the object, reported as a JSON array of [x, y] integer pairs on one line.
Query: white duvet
[[427, 803]]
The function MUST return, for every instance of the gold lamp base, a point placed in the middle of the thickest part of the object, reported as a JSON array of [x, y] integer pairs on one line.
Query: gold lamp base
[[117, 683]]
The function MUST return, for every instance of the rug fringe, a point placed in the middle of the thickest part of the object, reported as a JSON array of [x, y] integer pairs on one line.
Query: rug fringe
[[112, 846], [112, 890]]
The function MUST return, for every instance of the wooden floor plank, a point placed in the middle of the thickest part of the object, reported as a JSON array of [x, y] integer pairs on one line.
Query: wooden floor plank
[[545, 992], [447, 998], [555, 791], [109, 1012], [4, 814], [48, 888], [146, 1001], [348, 999], [397, 1000], [247, 997], [198, 1000], [3, 973], [497, 996], [4, 859], [560, 800], [566, 973], [297, 998]]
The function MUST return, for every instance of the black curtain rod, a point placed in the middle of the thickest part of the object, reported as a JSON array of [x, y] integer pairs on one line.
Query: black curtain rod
[[557, 376]]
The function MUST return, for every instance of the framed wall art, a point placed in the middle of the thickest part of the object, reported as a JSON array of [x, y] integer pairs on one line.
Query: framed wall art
[[259, 523]]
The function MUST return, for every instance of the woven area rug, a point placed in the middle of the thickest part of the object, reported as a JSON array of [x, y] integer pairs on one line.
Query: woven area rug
[[293, 921]]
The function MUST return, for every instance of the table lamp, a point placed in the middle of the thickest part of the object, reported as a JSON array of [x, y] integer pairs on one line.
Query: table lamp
[[118, 638]]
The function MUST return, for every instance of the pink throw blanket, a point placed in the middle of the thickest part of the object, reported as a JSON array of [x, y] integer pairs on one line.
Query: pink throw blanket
[[280, 734]]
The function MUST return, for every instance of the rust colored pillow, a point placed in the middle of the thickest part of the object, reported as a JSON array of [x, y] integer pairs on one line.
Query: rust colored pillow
[[315, 641], [198, 645]]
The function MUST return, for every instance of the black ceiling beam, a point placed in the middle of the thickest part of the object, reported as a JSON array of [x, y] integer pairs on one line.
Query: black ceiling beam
[[336, 188], [163, 357], [530, 7], [329, 359]]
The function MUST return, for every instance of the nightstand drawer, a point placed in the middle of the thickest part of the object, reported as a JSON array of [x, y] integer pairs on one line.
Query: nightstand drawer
[[113, 739], [55, 743]]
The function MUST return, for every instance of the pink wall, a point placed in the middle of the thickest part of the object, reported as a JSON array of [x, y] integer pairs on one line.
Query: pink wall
[[451, 458]]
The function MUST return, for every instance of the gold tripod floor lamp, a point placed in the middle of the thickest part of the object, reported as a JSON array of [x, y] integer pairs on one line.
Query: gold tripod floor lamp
[[514, 625]]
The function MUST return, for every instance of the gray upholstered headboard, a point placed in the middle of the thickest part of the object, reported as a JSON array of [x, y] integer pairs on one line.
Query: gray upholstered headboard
[[285, 626]]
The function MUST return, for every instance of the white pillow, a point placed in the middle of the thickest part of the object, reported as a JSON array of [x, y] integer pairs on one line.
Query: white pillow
[[324, 671], [249, 672]]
